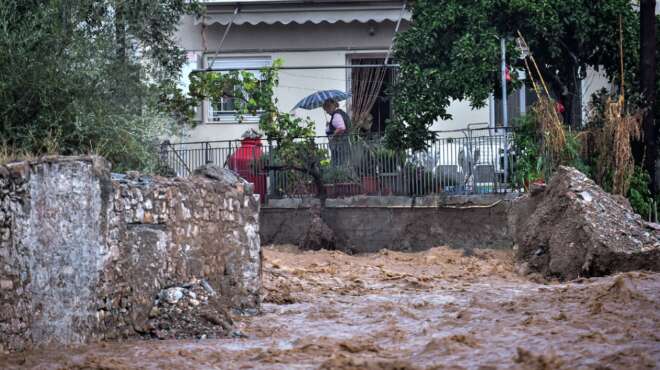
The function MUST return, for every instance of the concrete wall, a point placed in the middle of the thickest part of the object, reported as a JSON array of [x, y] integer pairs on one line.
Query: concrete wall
[[361, 225], [594, 81], [462, 115], [85, 257]]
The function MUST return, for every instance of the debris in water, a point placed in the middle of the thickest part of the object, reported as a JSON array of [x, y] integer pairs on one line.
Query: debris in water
[[395, 310]]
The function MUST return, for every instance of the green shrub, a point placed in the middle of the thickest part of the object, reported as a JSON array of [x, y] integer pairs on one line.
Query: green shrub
[[73, 83], [337, 175], [639, 194], [531, 164]]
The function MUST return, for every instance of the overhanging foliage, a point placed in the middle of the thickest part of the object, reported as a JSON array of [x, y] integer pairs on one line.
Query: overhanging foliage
[[452, 52]]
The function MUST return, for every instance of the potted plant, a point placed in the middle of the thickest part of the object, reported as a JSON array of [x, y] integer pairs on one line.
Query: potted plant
[[339, 182]]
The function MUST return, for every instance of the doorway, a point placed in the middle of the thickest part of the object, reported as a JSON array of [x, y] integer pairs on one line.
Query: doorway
[[371, 105]]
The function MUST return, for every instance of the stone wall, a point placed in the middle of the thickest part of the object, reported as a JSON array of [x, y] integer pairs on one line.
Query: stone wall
[[368, 225], [86, 256]]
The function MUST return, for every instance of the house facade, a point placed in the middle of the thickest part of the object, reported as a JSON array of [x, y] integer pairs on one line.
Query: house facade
[[251, 34], [313, 34]]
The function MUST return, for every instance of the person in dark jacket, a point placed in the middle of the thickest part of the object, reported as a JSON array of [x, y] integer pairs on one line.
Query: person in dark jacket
[[337, 129]]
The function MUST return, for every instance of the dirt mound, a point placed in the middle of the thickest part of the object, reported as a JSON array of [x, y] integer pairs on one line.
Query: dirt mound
[[574, 228], [318, 235]]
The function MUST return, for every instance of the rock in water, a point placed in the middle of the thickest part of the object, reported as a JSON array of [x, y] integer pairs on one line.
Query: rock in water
[[188, 311], [574, 228], [172, 295]]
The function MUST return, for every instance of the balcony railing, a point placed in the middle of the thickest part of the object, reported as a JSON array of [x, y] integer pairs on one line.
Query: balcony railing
[[460, 162]]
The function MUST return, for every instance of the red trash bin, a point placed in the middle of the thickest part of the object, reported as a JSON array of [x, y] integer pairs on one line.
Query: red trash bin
[[245, 161]]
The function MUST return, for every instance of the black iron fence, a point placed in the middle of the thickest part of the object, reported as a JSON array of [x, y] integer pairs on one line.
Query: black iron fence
[[459, 162]]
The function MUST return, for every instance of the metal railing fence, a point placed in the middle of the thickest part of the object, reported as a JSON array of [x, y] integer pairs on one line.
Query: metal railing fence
[[473, 161]]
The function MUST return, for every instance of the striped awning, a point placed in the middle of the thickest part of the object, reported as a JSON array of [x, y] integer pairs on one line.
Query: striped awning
[[301, 14]]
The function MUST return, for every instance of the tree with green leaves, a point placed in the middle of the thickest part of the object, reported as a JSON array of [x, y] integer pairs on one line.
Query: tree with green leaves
[[452, 52], [648, 72], [293, 137], [88, 76]]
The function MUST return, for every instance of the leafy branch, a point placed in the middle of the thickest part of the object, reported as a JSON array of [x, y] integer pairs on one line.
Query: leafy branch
[[293, 137]]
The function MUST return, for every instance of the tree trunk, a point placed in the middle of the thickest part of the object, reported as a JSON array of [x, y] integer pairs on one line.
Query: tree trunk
[[320, 186], [566, 88], [572, 99], [120, 30], [647, 70]]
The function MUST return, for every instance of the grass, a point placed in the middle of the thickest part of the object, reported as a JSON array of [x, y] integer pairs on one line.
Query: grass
[[8, 155]]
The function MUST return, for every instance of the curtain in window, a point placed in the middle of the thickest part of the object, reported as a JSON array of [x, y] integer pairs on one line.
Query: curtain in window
[[365, 86]]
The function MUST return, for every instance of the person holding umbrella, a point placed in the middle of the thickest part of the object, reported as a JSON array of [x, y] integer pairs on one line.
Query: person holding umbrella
[[339, 124], [336, 130]]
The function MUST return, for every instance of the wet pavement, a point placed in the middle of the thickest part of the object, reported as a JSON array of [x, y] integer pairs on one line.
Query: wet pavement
[[438, 309]]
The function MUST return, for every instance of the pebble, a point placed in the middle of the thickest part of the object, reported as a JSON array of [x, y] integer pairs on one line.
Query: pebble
[[172, 295], [155, 311], [207, 287]]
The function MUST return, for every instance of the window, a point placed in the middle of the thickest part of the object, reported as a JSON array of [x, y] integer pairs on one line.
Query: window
[[225, 111]]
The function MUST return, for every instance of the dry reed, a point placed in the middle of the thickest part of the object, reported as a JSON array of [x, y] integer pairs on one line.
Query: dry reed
[[549, 122], [8, 155], [612, 141], [553, 136]]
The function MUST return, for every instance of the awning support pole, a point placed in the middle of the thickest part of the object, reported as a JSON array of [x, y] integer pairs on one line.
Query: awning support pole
[[224, 35], [396, 29]]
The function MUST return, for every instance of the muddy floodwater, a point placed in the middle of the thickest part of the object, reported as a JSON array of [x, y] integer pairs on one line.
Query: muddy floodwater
[[438, 309]]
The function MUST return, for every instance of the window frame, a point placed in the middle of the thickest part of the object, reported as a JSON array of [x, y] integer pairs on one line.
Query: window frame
[[213, 116]]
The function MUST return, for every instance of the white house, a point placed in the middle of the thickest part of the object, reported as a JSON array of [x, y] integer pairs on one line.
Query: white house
[[316, 33], [250, 34]]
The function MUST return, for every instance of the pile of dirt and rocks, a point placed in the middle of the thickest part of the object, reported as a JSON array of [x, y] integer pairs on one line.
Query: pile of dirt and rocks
[[572, 228], [190, 310], [318, 235]]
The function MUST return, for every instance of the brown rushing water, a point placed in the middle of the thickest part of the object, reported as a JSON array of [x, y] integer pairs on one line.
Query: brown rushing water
[[436, 309]]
